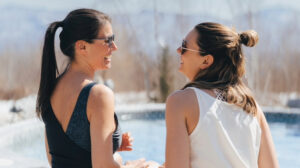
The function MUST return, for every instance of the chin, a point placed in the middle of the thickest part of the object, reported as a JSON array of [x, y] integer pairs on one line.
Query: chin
[[182, 72], [107, 66], [180, 69]]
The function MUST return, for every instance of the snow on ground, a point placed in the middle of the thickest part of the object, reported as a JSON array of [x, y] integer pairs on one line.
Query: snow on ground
[[26, 104], [13, 141]]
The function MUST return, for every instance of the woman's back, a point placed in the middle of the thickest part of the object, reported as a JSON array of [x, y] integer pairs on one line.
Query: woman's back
[[66, 102], [225, 135], [65, 96], [67, 125]]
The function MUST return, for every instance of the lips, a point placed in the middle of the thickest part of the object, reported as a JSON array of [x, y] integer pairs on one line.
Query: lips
[[107, 58]]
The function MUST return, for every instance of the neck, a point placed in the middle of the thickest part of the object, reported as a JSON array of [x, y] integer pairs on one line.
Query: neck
[[83, 69]]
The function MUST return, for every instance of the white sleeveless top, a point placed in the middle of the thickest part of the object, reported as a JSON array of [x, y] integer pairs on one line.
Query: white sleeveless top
[[225, 136]]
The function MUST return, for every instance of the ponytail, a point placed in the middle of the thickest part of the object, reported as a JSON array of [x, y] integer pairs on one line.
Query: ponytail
[[49, 69], [79, 24]]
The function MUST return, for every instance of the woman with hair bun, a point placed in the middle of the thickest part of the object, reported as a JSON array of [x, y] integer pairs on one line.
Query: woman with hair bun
[[214, 121]]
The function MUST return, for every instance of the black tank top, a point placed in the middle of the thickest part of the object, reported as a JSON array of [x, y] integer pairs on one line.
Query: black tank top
[[72, 149]]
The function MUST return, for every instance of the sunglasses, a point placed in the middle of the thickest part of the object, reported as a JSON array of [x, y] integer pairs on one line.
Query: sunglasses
[[108, 40], [184, 49]]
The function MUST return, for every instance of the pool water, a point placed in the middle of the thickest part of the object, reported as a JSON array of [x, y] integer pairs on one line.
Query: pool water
[[149, 139], [149, 142], [287, 143], [150, 136]]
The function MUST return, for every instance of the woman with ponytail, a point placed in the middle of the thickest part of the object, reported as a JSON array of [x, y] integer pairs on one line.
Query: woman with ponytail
[[82, 129], [214, 121]]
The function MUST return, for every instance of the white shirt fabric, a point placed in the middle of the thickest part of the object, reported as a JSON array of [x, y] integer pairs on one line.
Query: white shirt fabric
[[225, 136]]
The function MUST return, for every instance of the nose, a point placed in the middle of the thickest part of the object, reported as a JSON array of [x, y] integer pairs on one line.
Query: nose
[[113, 46]]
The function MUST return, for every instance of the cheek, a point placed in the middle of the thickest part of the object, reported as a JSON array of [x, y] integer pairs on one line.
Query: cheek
[[193, 63], [98, 54], [96, 58], [189, 60], [185, 58]]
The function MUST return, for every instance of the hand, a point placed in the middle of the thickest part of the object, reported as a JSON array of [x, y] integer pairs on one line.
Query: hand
[[141, 163], [126, 142], [118, 158], [152, 164]]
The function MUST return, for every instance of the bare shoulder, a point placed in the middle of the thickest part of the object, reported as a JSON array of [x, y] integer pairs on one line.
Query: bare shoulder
[[101, 101], [182, 100], [181, 96], [101, 92], [260, 115]]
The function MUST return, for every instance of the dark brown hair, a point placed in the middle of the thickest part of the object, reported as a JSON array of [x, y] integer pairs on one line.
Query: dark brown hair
[[80, 24], [228, 68]]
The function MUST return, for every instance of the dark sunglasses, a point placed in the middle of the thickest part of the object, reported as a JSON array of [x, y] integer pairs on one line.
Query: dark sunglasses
[[184, 49], [108, 40]]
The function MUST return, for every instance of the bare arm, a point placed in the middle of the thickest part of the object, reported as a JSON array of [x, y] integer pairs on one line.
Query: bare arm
[[177, 145], [102, 125], [267, 155], [101, 110], [47, 150]]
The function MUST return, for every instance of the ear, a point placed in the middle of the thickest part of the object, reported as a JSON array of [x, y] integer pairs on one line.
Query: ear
[[208, 60], [80, 47]]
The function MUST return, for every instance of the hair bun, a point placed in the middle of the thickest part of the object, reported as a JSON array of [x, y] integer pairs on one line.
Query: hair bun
[[249, 38]]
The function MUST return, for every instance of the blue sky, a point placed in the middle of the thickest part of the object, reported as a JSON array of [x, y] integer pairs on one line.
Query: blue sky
[[219, 8]]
